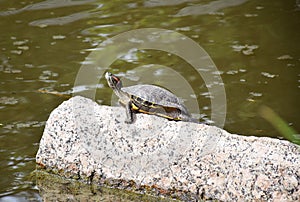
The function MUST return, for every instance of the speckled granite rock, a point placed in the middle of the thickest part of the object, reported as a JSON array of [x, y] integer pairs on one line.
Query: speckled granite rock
[[191, 161]]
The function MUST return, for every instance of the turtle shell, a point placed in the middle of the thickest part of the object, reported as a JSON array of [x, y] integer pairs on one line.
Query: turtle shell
[[156, 100]]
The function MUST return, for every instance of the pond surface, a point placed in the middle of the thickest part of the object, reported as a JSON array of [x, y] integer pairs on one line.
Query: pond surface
[[254, 44]]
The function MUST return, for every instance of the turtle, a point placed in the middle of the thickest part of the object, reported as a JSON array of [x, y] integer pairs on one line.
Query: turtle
[[148, 99]]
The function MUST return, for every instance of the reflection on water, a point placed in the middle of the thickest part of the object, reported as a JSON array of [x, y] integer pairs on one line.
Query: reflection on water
[[50, 4], [209, 8], [44, 43], [63, 20]]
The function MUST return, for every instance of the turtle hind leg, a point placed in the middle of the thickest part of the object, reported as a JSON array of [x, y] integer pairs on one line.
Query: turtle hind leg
[[129, 113], [186, 118], [193, 120]]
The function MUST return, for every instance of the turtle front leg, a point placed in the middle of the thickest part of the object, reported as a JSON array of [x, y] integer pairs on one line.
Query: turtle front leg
[[129, 113]]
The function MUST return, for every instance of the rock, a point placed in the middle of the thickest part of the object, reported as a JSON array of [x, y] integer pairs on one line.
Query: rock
[[87, 141]]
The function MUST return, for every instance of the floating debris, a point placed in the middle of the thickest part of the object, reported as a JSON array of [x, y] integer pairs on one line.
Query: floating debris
[[245, 49], [232, 72], [42, 25], [268, 75], [58, 37], [8, 100], [183, 29], [259, 7], [20, 43], [28, 65], [285, 57], [255, 94], [290, 65], [17, 52], [23, 47], [248, 15], [60, 94], [29, 124]]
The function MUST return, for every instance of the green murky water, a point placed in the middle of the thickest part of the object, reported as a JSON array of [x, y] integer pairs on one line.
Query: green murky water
[[254, 44]]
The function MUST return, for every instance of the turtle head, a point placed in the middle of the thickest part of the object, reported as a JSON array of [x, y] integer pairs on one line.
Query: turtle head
[[113, 81]]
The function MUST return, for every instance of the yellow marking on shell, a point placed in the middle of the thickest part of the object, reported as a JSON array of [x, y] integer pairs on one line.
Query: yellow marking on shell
[[151, 105], [134, 107]]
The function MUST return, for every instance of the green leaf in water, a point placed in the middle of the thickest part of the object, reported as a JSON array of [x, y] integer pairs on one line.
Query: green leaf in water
[[288, 132]]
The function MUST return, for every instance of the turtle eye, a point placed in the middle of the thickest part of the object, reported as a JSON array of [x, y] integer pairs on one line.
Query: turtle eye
[[115, 79]]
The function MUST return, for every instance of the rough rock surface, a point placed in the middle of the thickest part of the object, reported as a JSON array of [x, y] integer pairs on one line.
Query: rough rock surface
[[191, 161]]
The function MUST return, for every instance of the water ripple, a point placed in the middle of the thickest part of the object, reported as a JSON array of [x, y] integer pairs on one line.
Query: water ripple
[[49, 4], [63, 20], [210, 8]]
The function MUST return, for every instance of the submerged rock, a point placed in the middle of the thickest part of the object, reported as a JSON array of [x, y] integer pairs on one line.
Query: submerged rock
[[189, 161]]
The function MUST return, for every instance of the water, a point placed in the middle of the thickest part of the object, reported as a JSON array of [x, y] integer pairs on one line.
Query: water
[[254, 44]]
